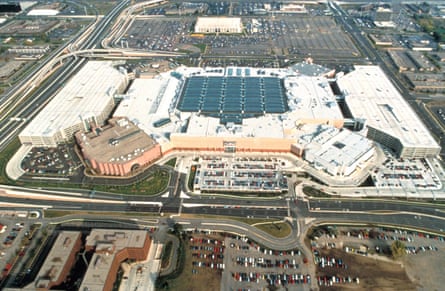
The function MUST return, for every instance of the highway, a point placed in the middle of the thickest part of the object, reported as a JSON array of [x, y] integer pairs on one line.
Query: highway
[[25, 86], [23, 111], [424, 215], [377, 206], [7, 98]]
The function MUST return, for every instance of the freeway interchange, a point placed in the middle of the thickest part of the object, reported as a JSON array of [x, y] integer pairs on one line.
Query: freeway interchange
[[302, 213]]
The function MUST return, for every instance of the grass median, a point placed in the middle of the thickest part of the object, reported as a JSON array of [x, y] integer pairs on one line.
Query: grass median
[[276, 229], [166, 255], [100, 214]]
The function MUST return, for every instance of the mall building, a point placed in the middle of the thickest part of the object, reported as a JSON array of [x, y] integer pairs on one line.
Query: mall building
[[230, 109], [218, 25]]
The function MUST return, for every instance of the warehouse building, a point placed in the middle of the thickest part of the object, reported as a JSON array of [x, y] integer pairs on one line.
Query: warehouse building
[[426, 82], [402, 61], [218, 25], [84, 102], [383, 18]]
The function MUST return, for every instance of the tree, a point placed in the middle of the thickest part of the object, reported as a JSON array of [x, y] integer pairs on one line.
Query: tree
[[177, 229], [397, 249]]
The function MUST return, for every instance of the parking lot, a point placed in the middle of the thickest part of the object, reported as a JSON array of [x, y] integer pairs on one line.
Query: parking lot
[[17, 231], [63, 31], [281, 35], [409, 174], [156, 33], [248, 266], [60, 161], [245, 174], [206, 253]]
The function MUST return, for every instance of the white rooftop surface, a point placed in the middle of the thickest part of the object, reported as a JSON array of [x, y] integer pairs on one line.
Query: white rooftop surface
[[264, 126], [85, 95], [150, 100], [371, 95], [218, 21], [324, 146], [311, 98], [43, 12]]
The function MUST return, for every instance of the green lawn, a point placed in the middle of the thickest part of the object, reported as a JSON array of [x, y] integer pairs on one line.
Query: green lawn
[[171, 162], [278, 229], [154, 184], [51, 213], [166, 254], [4, 158], [311, 191]]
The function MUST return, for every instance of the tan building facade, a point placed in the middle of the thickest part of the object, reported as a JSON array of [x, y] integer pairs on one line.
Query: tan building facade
[[118, 149], [230, 144]]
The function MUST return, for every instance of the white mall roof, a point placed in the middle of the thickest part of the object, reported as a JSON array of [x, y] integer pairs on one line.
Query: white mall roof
[[264, 126], [43, 12], [151, 100], [369, 94], [338, 147], [85, 95], [311, 98]]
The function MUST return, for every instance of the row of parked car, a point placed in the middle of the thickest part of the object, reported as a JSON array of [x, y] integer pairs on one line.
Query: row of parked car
[[415, 250], [331, 280], [272, 278], [13, 234], [210, 265], [330, 262], [267, 263]]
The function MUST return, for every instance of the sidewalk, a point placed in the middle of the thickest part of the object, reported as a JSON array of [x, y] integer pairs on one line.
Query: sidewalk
[[13, 168]]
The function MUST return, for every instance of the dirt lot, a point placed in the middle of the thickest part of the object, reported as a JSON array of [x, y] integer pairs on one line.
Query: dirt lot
[[373, 274], [420, 269], [203, 278], [426, 269]]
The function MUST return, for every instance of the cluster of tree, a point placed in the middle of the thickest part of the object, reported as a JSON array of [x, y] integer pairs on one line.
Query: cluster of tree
[[433, 26]]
